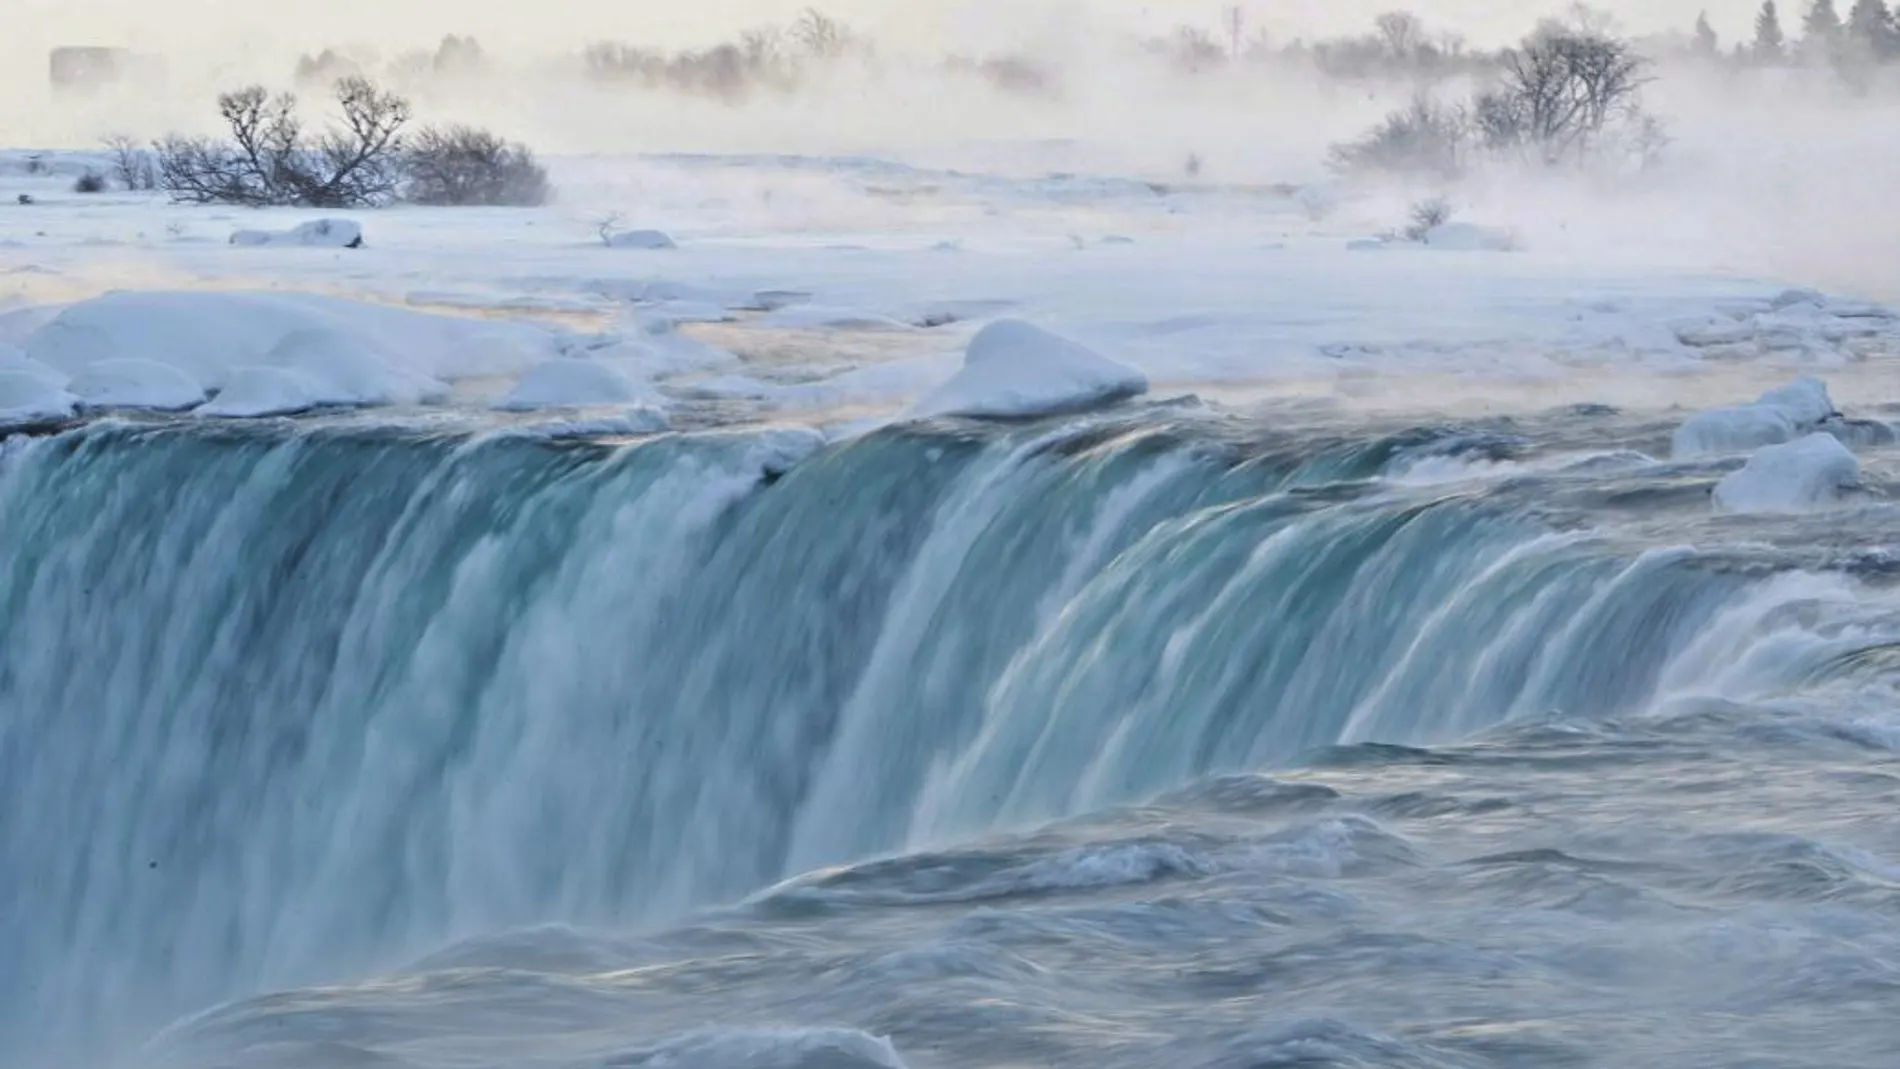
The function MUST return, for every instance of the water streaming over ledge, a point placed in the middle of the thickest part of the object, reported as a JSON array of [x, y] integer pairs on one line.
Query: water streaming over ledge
[[283, 705]]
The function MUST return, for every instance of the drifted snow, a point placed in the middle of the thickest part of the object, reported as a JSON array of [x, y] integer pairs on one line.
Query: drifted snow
[[29, 398], [134, 382], [318, 233], [265, 391], [572, 383], [1808, 473], [12, 359], [351, 370], [640, 239], [1780, 415], [1469, 237], [207, 334], [1014, 368]]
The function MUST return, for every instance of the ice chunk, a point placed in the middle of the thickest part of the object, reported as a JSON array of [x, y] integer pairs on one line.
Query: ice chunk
[[318, 233], [351, 370], [265, 391], [639, 239], [1780, 415], [1808, 473], [571, 382], [1014, 368], [134, 382], [28, 398], [634, 419]]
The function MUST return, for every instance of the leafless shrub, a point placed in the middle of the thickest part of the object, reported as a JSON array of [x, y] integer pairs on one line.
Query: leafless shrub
[[461, 165], [270, 161], [89, 181], [821, 36], [132, 164], [1424, 138], [1426, 216]]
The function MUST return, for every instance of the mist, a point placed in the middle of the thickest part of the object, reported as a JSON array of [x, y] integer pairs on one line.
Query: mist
[[1771, 172]]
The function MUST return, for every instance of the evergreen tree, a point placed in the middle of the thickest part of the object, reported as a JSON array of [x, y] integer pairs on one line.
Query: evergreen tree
[[1769, 42], [1872, 31], [1705, 41], [1821, 29]]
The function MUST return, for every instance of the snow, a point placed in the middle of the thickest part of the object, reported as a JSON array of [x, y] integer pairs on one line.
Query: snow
[[570, 383], [265, 391], [1469, 237], [318, 233], [134, 382], [639, 239], [206, 334], [350, 370], [1808, 473], [29, 398], [1014, 368], [826, 303], [11, 359], [1780, 415]]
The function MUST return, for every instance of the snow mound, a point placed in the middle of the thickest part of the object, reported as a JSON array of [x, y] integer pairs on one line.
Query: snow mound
[[207, 334], [265, 391], [1014, 368], [1469, 237], [14, 360], [29, 398], [1780, 415], [134, 382], [351, 370], [640, 239], [571, 383], [1808, 473], [318, 233]]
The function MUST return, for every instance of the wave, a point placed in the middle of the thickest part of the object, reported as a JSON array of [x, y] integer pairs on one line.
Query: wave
[[280, 704]]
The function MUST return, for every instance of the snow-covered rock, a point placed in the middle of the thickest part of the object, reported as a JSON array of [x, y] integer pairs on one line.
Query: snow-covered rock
[[351, 370], [206, 334], [639, 239], [265, 391], [29, 398], [1780, 415], [1807, 473], [1014, 368], [1469, 237], [572, 383], [134, 382], [318, 233]]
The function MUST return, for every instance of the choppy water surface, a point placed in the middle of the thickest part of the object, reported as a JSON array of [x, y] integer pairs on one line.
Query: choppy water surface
[[1146, 739]]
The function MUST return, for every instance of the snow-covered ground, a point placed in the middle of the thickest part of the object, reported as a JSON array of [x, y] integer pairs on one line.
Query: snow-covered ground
[[848, 291]]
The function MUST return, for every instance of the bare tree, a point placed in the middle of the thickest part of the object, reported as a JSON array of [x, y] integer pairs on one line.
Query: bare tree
[[1561, 90], [460, 165], [131, 164], [822, 36], [269, 160], [1402, 33], [1425, 138]]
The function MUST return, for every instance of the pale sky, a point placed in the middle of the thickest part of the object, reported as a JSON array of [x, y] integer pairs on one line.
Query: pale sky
[[550, 25]]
